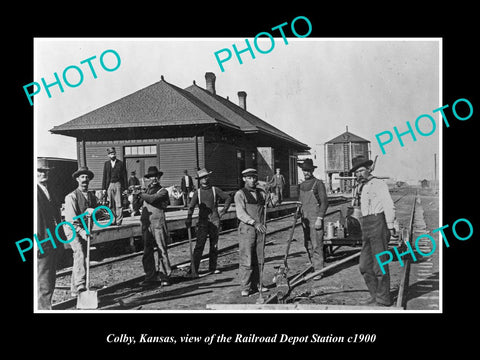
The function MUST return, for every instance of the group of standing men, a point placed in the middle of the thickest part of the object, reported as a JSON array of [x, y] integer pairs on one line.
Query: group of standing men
[[250, 203]]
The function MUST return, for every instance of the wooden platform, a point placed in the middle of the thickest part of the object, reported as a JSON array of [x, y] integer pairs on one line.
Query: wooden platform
[[131, 226]]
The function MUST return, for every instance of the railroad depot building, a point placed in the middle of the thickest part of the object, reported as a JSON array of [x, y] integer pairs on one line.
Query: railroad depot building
[[177, 129]]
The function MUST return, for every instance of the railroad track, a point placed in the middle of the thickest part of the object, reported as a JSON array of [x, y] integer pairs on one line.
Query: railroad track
[[227, 250], [303, 276]]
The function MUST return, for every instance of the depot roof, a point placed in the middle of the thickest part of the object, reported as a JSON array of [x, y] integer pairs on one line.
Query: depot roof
[[163, 104]]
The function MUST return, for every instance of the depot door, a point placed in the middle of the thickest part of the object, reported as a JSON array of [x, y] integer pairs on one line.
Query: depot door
[[140, 165]]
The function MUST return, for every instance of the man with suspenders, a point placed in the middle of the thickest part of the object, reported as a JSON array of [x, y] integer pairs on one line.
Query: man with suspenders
[[250, 207], [378, 215], [206, 197], [314, 200]]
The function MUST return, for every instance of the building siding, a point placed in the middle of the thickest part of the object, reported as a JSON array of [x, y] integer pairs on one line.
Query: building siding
[[173, 156], [177, 155], [221, 158]]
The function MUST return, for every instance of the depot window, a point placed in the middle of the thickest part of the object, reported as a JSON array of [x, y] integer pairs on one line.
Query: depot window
[[142, 150]]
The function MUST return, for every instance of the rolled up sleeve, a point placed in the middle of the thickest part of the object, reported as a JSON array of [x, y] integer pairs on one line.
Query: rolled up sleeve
[[240, 207]]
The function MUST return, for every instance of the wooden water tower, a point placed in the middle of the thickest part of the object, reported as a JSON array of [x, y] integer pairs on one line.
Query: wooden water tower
[[339, 153]]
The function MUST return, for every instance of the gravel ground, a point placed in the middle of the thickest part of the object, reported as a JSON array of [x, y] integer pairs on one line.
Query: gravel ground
[[342, 286]]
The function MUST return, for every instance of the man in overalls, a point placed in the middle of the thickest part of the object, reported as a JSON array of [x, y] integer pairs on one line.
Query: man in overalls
[[154, 229], [206, 197], [250, 206], [378, 215], [314, 200]]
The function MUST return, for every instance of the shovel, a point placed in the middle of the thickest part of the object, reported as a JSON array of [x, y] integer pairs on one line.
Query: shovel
[[260, 299], [281, 279], [88, 299]]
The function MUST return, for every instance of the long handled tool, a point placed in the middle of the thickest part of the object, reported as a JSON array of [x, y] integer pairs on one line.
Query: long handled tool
[[302, 279], [260, 299], [281, 278], [193, 271], [88, 299]]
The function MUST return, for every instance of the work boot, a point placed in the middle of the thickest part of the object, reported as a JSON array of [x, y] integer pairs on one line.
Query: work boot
[[264, 289], [245, 292], [369, 301], [78, 290]]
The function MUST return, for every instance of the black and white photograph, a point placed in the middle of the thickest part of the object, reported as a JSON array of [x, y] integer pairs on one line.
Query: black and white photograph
[[242, 189], [281, 186]]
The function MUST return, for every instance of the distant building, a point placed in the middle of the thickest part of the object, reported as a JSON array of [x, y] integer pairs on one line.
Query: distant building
[[339, 153], [425, 183], [176, 129]]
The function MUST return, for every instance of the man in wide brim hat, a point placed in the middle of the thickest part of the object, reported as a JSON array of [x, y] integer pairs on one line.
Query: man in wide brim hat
[[202, 173], [154, 230], [314, 203], [83, 170], [359, 161], [153, 171], [78, 202]]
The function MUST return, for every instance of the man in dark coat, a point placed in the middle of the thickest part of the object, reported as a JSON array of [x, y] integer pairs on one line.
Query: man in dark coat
[[314, 200], [186, 185], [114, 183], [133, 180], [48, 216]]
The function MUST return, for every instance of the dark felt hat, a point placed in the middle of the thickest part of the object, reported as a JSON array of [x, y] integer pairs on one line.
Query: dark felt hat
[[111, 150], [307, 165], [360, 161], [153, 171], [82, 170]]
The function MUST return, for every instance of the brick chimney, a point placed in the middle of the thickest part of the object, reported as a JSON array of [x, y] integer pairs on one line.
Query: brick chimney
[[210, 80], [242, 100]]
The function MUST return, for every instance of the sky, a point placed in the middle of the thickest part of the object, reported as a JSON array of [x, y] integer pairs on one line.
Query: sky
[[310, 88]]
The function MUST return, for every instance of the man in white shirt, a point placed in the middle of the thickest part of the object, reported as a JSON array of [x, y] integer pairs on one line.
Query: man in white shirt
[[378, 214]]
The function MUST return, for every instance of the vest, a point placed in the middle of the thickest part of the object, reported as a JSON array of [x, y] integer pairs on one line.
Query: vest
[[254, 207], [84, 204]]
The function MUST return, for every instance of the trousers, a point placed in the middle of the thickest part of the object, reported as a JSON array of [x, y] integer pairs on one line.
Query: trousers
[[279, 193], [155, 234], [114, 194], [79, 274], [375, 237], [251, 256], [313, 243], [209, 229], [46, 276]]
